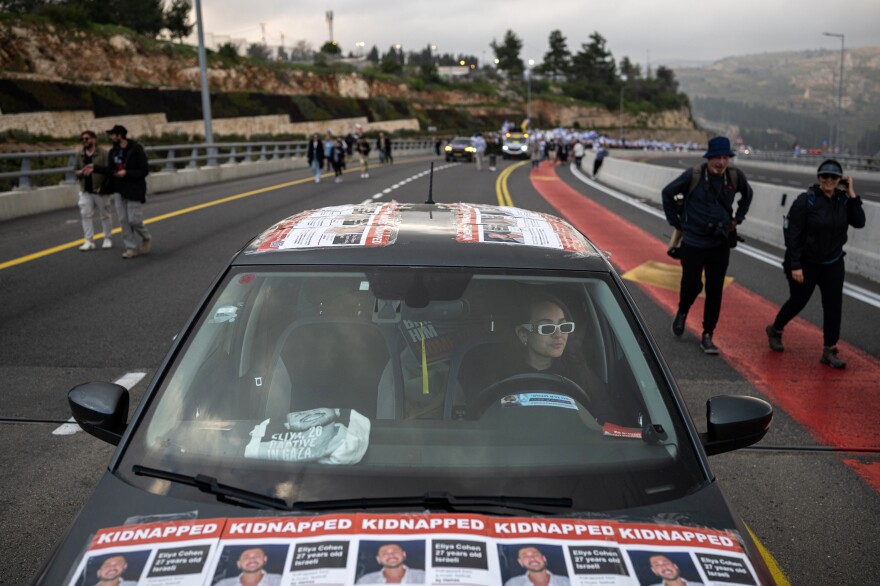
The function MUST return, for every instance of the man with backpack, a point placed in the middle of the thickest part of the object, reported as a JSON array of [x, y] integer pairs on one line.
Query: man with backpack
[[700, 204], [127, 169]]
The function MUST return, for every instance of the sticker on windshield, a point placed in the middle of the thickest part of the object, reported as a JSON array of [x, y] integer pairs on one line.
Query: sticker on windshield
[[350, 225], [414, 548], [538, 400], [492, 224], [327, 436]]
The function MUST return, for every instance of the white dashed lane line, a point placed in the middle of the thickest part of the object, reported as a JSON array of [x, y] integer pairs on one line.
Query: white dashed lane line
[[128, 380], [403, 182]]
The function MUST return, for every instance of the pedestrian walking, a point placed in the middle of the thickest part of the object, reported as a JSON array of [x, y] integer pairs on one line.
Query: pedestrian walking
[[601, 153], [315, 156], [363, 150], [535, 153], [700, 204], [816, 231], [579, 152], [328, 146], [93, 199], [380, 147], [340, 148], [127, 169], [437, 144], [479, 144], [389, 154]]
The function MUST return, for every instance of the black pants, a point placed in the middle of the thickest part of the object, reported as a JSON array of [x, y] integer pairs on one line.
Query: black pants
[[714, 262], [829, 278], [597, 164]]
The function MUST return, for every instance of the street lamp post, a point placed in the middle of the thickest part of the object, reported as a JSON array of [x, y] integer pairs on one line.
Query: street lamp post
[[529, 90], [840, 89], [622, 84], [206, 95]]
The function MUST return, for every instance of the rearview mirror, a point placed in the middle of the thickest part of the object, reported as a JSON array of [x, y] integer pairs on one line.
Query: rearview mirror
[[735, 422], [101, 409]]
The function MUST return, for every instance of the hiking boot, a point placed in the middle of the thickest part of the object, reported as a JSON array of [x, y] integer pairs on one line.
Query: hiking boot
[[131, 253], [678, 324], [706, 344], [87, 246], [774, 338], [146, 246], [830, 357]]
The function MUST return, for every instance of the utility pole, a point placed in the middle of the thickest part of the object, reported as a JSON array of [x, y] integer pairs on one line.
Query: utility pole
[[206, 96], [263, 29], [329, 16], [840, 90]]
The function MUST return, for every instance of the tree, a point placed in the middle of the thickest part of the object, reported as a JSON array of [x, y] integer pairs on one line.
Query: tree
[[391, 62], [373, 55], [594, 63], [176, 19], [258, 51], [507, 54], [557, 61], [630, 70], [331, 48], [228, 51], [666, 79], [142, 16]]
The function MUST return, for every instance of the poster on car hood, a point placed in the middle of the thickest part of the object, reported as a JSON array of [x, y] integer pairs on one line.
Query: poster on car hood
[[453, 549]]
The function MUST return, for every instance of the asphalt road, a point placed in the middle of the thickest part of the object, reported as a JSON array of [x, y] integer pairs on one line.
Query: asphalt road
[[70, 317], [797, 177]]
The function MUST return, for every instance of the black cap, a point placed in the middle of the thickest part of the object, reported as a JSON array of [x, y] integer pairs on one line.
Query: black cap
[[830, 167], [118, 129]]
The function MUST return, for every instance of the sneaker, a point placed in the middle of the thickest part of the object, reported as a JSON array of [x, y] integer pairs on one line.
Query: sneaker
[[774, 338], [129, 253], [830, 357], [146, 246], [706, 344], [87, 245], [107, 244], [366, 175], [678, 324]]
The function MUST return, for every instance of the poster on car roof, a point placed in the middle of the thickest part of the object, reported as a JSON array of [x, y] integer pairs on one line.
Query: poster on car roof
[[492, 224], [350, 225], [447, 549]]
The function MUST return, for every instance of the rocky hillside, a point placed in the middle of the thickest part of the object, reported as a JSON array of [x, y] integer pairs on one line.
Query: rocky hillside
[[795, 93], [46, 53]]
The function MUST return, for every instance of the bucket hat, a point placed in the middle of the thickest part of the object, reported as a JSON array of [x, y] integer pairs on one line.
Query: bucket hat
[[719, 146]]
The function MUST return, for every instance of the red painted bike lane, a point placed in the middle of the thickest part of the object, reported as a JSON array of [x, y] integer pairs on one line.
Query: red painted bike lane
[[838, 407]]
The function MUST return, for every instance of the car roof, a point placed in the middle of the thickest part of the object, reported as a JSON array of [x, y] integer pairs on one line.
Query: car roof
[[438, 235]]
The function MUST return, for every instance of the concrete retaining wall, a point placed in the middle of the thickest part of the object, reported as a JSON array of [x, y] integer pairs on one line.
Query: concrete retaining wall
[[764, 220]]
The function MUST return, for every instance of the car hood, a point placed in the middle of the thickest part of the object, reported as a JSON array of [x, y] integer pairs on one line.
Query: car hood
[[162, 536]]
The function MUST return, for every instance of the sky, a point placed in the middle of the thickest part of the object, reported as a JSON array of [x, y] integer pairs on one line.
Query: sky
[[666, 32]]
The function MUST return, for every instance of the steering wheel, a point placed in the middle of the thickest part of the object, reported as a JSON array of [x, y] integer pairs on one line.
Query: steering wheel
[[519, 383]]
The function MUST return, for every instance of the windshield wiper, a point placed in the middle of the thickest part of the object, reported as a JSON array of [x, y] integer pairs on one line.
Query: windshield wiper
[[439, 500], [224, 492]]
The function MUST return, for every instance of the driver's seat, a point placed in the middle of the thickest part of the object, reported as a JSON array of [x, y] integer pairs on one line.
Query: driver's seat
[[473, 367]]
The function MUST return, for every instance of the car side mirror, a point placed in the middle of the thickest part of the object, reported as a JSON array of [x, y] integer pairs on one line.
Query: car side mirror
[[735, 422], [101, 409]]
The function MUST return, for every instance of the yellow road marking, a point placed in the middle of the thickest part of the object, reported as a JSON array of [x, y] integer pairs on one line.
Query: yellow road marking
[[76, 243], [501, 191], [661, 274], [778, 575]]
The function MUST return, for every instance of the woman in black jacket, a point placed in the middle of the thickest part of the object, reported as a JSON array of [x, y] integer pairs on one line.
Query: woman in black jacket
[[815, 235]]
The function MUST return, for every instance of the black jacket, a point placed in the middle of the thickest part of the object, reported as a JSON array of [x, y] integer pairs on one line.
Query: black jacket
[[710, 203], [133, 159], [316, 151], [817, 226]]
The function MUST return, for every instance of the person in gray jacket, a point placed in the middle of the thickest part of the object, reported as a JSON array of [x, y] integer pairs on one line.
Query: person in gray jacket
[[93, 200]]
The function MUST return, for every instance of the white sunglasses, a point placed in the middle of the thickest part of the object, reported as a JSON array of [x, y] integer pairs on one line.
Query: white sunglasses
[[549, 329]]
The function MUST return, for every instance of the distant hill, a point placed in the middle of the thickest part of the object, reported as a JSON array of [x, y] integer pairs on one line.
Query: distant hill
[[778, 99]]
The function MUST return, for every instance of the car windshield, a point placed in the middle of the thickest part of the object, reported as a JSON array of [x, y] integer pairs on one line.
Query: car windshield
[[309, 384]]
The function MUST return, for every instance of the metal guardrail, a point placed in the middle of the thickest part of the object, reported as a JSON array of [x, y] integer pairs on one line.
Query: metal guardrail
[[849, 162], [178, 157]]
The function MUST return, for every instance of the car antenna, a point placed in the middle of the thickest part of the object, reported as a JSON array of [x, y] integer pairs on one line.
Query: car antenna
[[431, 186]]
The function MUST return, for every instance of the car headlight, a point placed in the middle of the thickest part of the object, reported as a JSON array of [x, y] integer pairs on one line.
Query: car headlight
[[505, 148], [470, 149], [448, 148]]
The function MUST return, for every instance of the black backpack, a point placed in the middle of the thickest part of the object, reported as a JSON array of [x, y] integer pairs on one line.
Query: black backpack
[[786, 235]]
